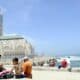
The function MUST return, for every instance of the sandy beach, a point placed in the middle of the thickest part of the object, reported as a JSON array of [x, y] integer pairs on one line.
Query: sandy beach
[[47, 73], [55, 75]]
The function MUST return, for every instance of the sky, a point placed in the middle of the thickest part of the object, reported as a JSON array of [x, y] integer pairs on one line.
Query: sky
[[52, 26]]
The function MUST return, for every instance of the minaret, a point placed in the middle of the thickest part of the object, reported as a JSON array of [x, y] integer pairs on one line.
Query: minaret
[[1, 22]]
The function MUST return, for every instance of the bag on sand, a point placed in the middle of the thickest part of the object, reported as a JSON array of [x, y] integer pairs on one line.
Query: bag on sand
[[6, 74]]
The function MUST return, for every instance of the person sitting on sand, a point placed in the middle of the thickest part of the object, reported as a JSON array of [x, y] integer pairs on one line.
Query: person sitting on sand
[[17, 68], [27, 67]]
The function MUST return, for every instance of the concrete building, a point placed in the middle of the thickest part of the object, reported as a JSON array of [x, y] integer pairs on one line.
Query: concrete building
[[14, 46]]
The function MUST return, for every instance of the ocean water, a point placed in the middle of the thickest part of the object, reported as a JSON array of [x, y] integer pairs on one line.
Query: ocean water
[[75, 63], [74, 60]]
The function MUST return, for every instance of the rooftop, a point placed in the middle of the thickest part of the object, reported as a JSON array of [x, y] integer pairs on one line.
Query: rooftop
[[11, 37]]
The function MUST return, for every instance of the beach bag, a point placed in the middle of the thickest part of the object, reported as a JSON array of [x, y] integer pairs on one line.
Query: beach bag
[[6, 74]]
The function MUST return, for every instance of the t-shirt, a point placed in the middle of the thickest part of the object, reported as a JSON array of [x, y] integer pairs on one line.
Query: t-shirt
[[64, 64]]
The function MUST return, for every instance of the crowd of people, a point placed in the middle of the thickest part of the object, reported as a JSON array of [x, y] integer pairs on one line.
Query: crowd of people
[[23, 68], [20, 69], [64, 63]]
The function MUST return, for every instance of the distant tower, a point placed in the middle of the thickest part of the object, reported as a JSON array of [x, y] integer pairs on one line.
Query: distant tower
[[1, 22]]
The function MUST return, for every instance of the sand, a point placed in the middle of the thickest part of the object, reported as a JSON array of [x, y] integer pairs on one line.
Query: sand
[[44, 73], [55, 75]]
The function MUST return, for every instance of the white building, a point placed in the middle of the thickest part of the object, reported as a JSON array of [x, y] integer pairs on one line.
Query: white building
[[14, 46]]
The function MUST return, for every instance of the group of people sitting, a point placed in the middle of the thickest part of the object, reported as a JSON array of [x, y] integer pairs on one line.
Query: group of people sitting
[[20, 69]]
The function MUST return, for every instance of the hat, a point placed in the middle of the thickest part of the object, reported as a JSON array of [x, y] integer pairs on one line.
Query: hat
[[25, 58]]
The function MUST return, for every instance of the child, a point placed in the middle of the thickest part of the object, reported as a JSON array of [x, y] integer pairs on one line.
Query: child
[[17, 68]]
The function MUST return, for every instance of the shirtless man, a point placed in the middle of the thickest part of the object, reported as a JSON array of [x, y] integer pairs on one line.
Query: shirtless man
[[17, 68]]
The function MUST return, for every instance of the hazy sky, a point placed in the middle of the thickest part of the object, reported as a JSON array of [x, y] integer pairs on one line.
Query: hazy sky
[[52, 26]]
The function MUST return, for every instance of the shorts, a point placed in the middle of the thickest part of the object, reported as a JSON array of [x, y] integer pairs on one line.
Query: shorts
[[59, 67], [29, 76], [19, 76]]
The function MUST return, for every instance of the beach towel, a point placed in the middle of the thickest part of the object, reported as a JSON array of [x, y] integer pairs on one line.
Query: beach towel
[[6, 74]]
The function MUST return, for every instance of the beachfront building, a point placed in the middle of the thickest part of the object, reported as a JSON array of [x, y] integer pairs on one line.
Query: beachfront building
[[14, 46]]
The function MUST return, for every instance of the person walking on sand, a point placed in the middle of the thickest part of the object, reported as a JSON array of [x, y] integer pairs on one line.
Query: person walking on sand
[[27, 67]]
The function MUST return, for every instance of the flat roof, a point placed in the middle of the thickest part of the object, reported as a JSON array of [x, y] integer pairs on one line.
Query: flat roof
[[11, 37]]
